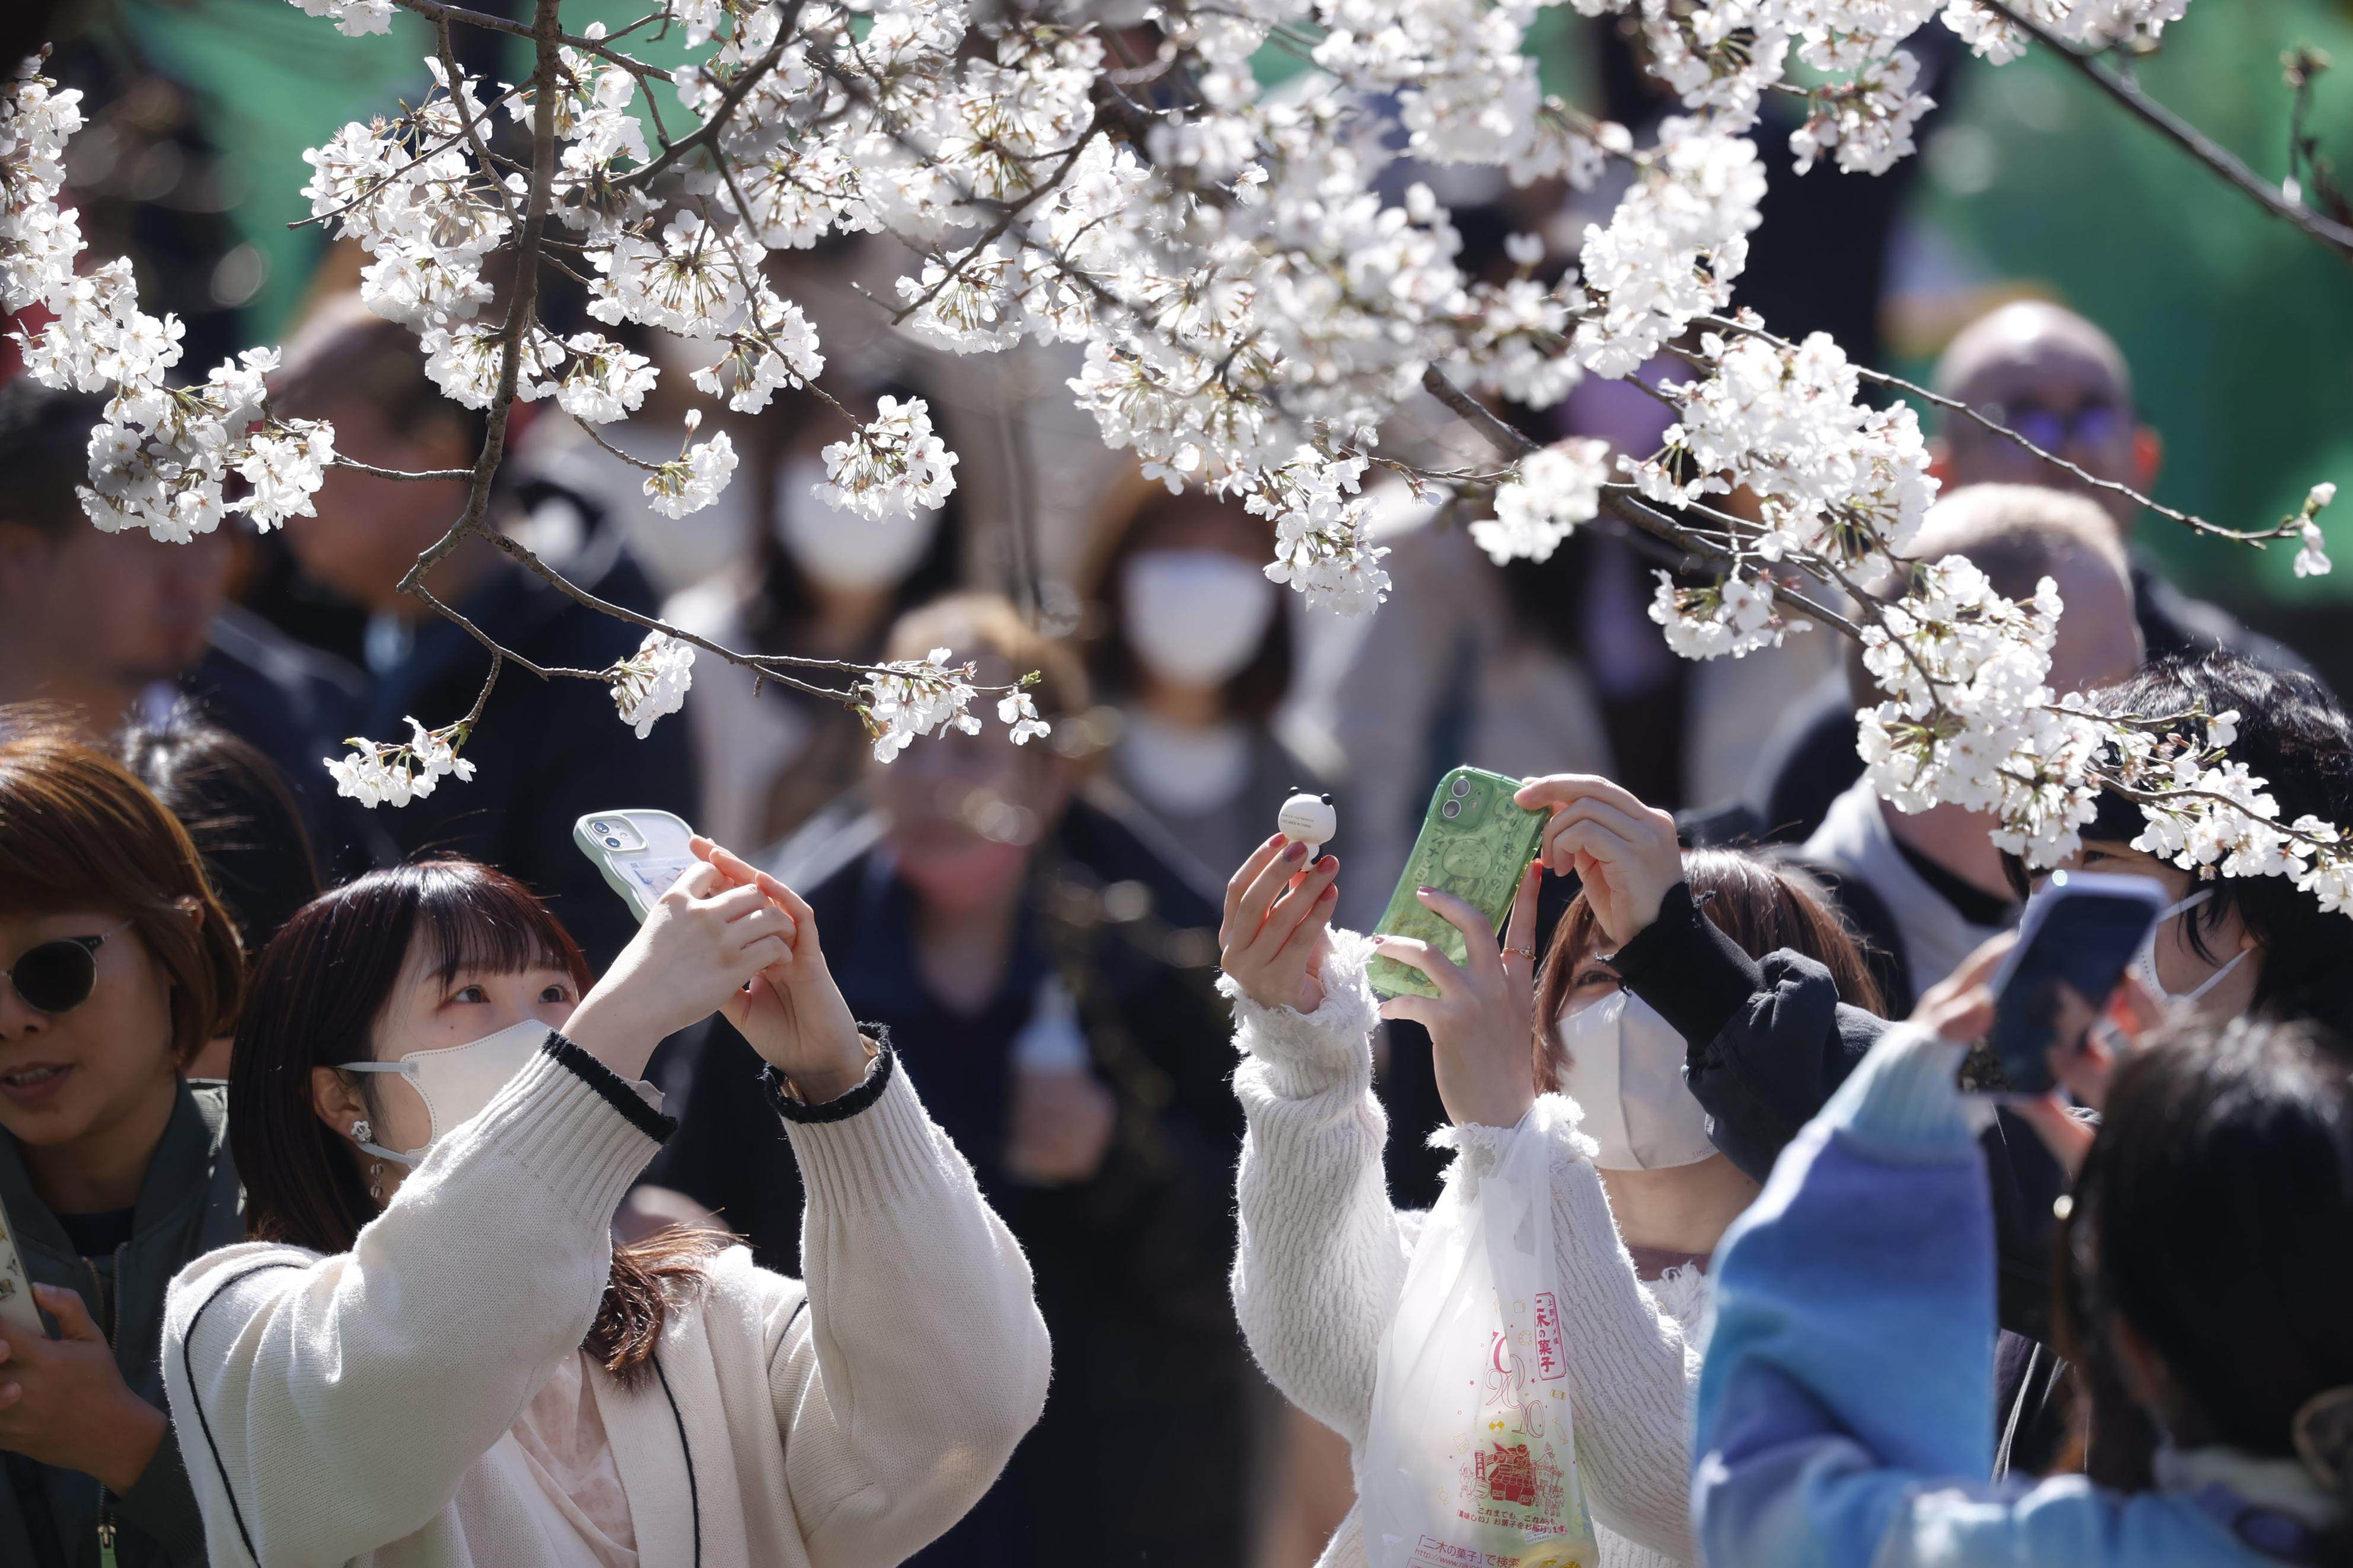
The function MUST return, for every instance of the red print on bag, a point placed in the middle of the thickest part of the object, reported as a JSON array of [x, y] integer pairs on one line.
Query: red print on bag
[[1551, 1361], [1510, 1474]]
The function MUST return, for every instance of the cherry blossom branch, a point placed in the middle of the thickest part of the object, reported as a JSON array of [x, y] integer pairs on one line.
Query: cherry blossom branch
[[2255, 536], [2120, 87], [342, 461]]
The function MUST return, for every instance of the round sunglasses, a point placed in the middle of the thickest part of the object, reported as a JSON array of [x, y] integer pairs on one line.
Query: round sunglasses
[[58, 976]]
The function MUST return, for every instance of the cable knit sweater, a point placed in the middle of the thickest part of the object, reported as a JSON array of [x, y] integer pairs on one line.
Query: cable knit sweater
[[1322, 1259], [357, 1408]]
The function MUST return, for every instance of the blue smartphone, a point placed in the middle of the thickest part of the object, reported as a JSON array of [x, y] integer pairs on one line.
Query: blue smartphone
[[2080, 929]]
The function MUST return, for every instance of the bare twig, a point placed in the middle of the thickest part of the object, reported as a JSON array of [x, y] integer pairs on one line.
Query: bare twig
[[2179, 132], [340, 461]]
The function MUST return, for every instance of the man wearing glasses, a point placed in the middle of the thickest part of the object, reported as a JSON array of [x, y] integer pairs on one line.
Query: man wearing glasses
[[2062, 384]]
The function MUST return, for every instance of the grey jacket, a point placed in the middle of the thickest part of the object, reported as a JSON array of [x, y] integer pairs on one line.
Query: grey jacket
[[189, 1204]]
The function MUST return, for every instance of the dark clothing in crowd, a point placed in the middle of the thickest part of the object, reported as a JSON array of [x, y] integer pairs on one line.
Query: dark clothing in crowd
[[1769, 1042], [296, 706], [119, 1264], [1141, 1456], [547, 753]]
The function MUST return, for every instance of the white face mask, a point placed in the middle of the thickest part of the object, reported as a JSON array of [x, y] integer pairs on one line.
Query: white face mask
[[841, 550], [458, 1081], [2144, 963], [1626, 1073], [1195, 617]]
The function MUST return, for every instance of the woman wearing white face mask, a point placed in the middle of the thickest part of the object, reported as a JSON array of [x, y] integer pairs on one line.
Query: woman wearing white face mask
[[1193, 644], [820, 583], [431, 1353], [1323, 1257]]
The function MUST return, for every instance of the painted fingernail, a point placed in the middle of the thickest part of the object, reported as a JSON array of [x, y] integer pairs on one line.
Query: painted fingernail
[[1425, 891], [1296, 851], [1329, 863]]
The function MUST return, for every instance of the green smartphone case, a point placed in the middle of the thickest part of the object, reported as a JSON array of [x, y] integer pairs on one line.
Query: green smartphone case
[[1474, 843]]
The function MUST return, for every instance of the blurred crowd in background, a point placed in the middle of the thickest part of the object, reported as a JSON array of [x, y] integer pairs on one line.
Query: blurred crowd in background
[[1058, 905]]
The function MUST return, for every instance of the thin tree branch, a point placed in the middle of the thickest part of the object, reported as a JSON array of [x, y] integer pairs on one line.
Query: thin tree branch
[[354, 463], [2175, 128]]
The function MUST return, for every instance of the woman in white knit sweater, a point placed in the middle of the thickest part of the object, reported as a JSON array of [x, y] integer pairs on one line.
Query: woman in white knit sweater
[[1323, 1254], [449, 1365]]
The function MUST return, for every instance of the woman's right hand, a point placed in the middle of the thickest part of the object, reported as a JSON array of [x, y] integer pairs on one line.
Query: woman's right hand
[[1626, 853], [1273, 938], [705, 937]]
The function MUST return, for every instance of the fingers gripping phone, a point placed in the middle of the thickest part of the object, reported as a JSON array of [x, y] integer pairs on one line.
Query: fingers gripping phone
[[1474, 843], [16, 1307], [641, 853], [2080, 929]]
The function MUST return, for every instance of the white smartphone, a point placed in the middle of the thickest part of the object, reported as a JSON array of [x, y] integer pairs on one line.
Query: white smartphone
[[16, 1307], [641, 853]]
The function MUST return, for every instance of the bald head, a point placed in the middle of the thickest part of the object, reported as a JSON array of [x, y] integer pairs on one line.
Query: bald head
[[2061, 382]]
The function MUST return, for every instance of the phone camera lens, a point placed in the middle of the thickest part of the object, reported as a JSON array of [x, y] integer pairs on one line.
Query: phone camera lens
[[1462, 787], [1452, 808], [612, 844], [600, 828]]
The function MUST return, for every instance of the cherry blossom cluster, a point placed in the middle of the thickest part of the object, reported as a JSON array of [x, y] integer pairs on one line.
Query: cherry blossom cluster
[[1554, 490], [653, 681], [1260, 303], [2209, 815], [1784, 423], [1734, 616], [379, 774], [903, 701], [166, 457]]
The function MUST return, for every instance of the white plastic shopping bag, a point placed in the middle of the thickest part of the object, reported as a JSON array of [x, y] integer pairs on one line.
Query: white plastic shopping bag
[[1471, 1462]]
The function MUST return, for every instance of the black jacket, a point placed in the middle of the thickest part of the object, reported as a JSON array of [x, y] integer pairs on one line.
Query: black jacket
[[189, 1204], [546, 753], [1142, 1453], [1769, 1042]]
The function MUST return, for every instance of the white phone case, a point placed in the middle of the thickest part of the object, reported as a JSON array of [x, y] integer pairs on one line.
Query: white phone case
[[640, 852], [16, 1306]]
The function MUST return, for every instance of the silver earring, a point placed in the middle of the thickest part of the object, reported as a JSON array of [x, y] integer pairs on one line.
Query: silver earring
[[362, 1132]]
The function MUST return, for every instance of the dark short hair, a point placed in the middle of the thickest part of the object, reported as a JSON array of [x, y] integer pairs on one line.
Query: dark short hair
[[44, 455], [238, 811], [2214, 1214], [2297, 741]]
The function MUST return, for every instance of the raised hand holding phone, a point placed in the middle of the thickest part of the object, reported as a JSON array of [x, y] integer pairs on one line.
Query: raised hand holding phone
[[1475, 842], [791, 1011], [705, 937], [1480, 1022], [1625, 853]]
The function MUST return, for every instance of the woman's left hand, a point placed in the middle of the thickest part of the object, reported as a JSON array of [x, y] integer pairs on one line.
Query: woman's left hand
[[1480, 1022], [63, 1400], [792, 1012]]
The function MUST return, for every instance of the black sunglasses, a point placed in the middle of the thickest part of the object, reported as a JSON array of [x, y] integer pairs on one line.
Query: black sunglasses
[[58, 976]]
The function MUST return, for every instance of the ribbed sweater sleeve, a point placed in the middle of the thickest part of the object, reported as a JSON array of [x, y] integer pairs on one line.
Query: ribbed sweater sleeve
[[330, 1405], [1321, 1256], [1322, 1259], [921, 1359]]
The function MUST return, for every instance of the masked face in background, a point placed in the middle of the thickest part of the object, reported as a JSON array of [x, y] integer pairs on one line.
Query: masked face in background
[[1195, 617], [841, 551]]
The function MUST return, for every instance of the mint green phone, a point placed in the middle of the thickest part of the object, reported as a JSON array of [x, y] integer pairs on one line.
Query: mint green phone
[[1474, 843], [640, 852]]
